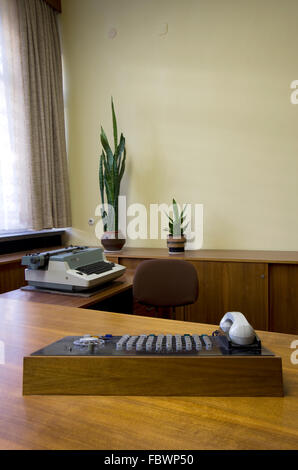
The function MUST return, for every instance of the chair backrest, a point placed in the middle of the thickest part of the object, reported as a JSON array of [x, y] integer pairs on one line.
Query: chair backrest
[[165, 283]]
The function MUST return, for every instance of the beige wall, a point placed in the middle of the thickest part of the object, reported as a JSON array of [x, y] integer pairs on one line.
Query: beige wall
[[205, 110]]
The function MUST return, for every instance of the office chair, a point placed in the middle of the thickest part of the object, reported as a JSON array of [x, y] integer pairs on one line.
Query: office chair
[[165, 283]]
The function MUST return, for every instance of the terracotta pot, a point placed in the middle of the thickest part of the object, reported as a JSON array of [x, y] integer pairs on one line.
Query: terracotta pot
[[113, 241], [176, 245]]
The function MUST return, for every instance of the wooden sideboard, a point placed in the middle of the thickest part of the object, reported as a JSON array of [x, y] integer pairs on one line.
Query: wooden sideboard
[[261, 284]]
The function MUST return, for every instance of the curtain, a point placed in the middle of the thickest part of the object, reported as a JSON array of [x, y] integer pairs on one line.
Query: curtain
[[15, 203], [37, 194]]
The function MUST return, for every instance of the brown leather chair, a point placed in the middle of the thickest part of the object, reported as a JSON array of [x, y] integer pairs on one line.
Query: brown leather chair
[[165, 283]]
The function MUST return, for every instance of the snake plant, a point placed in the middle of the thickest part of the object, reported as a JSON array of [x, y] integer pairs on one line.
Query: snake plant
[[176, 228], [111, 170]]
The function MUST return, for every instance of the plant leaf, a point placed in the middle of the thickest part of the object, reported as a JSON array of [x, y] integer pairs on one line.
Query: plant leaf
[[184, 228], [175, 210], [182, 213], [111, 170], [107, 147], [120, 150], [101, 178], [122, 166], [115, 131]]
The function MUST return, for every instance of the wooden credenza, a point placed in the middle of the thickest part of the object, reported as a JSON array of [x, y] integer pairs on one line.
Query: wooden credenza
[[261, 284]]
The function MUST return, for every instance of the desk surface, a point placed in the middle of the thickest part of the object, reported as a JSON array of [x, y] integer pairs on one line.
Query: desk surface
[[62, 422], [247, 256], [122, 284]]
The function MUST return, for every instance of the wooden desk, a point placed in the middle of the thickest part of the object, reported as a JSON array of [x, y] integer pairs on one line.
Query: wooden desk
[[122, 284], [62, 422]]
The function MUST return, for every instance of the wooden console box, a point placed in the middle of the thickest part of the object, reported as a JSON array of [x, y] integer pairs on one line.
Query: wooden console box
[[153, 376]]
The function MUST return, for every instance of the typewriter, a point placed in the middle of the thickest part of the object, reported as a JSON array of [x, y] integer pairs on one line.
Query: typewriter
[[72, 269]]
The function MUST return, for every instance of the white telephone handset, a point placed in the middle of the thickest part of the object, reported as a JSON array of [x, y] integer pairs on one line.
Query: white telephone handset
[[238, 328]]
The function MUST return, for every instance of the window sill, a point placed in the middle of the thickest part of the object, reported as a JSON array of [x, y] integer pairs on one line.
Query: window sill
[[30, 234], [29, 240]]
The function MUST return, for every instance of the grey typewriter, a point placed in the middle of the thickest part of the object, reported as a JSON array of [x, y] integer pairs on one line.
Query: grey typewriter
[[72, 269]]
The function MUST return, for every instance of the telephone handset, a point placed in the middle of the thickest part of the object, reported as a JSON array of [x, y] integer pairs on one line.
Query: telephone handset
[[237, 327]]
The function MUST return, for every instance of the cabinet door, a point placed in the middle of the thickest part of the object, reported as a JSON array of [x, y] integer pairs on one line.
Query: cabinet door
[[246, 290], [228, 286], [283, 288], [209, 306]]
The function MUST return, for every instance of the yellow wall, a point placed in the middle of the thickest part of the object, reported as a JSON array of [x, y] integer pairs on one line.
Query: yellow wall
[[205, 110]]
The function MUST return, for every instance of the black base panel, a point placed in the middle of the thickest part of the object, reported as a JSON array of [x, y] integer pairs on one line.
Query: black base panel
[[65, 347]]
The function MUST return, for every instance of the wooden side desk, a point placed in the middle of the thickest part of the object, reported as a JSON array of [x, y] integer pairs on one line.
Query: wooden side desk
[[122, 284], [109, 297], [77, 422]]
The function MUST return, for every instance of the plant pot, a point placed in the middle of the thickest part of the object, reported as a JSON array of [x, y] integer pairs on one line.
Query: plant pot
[[112, 241], [175, 245]]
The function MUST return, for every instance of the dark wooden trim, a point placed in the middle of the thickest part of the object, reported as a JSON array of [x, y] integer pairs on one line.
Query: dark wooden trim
[[56, 4]]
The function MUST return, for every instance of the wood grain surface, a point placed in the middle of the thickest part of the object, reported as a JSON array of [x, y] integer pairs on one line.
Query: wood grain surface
[[224, 376], [249, 256], [63, 422], [283, 298], [107, 291], [12, 273], [231, 286], [12, 276]]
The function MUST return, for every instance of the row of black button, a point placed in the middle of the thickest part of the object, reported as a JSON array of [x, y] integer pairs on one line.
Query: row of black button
[[96, 268]]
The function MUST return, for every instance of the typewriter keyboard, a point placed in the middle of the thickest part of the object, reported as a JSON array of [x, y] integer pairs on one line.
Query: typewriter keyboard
[[96, 268]]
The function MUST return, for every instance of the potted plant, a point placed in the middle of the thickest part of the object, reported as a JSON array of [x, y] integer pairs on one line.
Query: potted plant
[[111, 170], [176, 239]]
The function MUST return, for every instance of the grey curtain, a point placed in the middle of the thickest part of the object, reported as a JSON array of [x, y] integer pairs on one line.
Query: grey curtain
[[42, 83]]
